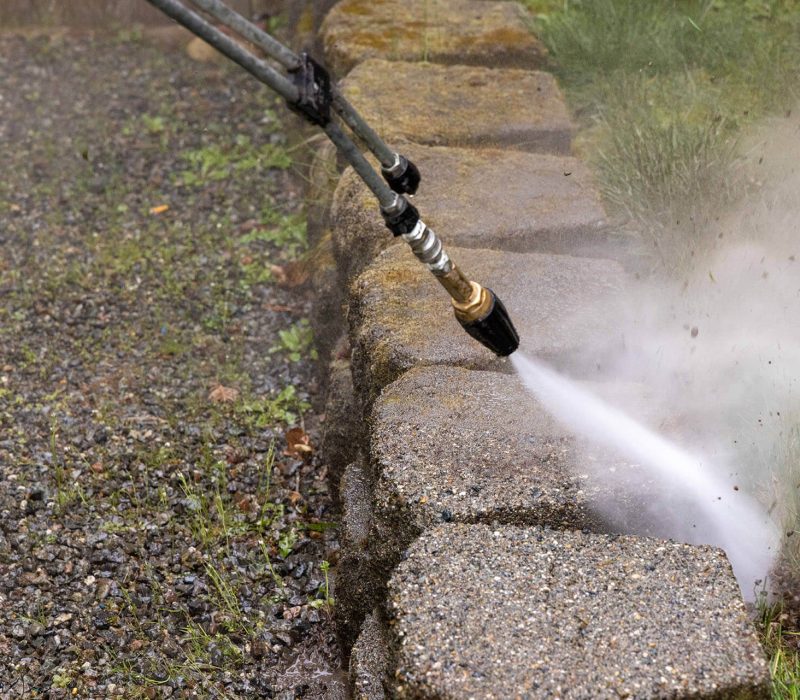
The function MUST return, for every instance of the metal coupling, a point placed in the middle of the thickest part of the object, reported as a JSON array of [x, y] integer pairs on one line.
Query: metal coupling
[[402, 175], [400, 216], [428, 248]]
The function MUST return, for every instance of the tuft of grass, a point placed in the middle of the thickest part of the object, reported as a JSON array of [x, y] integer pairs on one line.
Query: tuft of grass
[[663, 88], [783, 648], [786, 494]]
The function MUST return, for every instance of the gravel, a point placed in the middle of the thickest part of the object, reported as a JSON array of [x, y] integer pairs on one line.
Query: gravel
[[155, 538]]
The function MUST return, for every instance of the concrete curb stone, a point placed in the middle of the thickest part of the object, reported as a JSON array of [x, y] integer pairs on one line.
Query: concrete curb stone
[[491, 612], [469, 32], [369, 661], [359, 585], [457, 105]]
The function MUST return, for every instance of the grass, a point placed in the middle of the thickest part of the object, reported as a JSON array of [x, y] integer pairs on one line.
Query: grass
[[663, 89], [782, 646]]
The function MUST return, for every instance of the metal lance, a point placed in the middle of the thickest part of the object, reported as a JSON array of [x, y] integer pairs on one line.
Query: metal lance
[[309, 91]]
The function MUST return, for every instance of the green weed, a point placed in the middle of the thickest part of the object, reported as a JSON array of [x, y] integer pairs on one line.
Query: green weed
[[297, 342], [287, 232], [286, 407], [324, 594], [217, 162]]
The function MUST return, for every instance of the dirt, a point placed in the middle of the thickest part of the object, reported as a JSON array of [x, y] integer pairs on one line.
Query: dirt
[[157, 537]]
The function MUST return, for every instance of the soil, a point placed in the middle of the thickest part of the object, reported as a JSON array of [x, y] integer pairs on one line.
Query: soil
[[158, 536]]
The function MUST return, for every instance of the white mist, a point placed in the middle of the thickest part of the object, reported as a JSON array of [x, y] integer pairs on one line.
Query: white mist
[[730, 519]]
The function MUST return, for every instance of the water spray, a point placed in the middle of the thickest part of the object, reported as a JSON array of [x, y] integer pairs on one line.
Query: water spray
[[310, 92]]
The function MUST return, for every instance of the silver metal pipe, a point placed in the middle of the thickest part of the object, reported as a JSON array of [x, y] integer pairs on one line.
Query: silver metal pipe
[[224, 44], [241, 25]]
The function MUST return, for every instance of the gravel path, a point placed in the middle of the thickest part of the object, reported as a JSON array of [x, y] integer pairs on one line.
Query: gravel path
[[157, 537]]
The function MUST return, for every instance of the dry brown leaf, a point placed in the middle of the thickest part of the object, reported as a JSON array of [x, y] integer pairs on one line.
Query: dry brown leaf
[[223, 394], [292, 274], [298, 444]]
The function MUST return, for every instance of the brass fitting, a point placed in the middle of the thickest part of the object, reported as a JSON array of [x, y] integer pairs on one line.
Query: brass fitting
[[457, 286], [477, 307]]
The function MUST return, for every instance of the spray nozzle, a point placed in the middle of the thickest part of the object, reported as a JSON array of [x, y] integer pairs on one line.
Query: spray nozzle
[[485, 318]]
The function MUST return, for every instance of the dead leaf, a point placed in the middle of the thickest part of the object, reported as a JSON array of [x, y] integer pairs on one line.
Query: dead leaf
[[292, 274], [298, 444], [223, 394], [246, 504]]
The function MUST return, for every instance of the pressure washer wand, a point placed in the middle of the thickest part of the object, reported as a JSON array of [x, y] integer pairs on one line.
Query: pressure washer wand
[[311, 93]]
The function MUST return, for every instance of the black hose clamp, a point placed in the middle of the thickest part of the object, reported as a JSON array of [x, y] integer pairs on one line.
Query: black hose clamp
[[314, 94], [402, 176], [400, 216]]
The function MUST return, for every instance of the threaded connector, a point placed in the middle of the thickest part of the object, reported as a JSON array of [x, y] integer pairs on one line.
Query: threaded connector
[[428, 248]]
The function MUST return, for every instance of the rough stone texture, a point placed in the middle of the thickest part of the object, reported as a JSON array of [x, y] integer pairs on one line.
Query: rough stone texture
[[451, 444], [505, 200], [454, 445], [468, 32], [400, 317], [462, 105], [355, 495], [341, 433], [370, 662], [505, 612]]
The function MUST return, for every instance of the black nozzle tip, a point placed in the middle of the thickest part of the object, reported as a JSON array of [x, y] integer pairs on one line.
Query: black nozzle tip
[[404, 178], [495, 329]]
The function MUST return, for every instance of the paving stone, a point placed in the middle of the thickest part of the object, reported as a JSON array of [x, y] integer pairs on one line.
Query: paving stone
[[439, 105], [369, 661], [506, 200], [440, 31], [508, 612], [566, 310], [451, 444]]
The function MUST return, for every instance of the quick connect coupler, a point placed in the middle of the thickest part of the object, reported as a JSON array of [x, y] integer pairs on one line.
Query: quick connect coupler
[[477, 309]]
